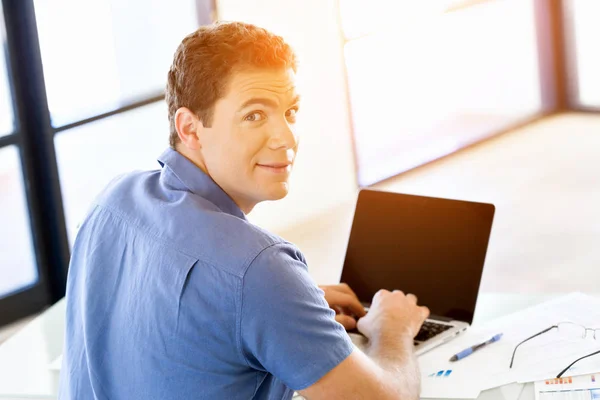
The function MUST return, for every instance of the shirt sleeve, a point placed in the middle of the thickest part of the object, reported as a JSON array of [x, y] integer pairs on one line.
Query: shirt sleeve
[[286, 326]]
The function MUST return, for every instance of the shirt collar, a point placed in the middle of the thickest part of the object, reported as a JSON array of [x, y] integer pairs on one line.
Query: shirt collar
[[198, 182]]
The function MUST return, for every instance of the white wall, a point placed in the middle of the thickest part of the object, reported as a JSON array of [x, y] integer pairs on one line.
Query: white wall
[[324, 171]]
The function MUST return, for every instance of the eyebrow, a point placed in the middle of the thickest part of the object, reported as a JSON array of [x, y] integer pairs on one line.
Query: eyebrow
[[266, 102]]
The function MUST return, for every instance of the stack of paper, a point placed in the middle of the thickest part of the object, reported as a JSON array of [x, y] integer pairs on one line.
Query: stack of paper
[[541, 358]]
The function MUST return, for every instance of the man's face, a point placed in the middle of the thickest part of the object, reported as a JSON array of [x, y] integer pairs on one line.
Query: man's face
[[250, 148]]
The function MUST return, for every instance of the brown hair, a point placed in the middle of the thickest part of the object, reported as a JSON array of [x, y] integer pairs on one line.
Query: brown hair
[[205, 60]]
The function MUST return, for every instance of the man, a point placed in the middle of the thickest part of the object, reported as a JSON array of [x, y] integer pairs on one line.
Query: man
[[173, 294]]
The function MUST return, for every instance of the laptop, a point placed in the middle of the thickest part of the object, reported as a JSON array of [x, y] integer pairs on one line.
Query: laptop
[[432, 247]]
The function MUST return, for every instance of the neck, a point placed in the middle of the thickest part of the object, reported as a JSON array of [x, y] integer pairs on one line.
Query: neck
[[198, 161]]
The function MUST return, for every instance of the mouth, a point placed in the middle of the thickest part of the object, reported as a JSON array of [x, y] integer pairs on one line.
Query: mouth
[[276, 167]]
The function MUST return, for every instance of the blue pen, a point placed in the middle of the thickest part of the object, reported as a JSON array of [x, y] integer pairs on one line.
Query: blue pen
[[472, 349]]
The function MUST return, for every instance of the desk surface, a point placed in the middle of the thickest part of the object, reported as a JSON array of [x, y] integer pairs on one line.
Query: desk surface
[[24, 358]]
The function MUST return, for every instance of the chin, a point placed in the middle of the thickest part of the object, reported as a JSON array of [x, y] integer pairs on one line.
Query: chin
[[277, 193]]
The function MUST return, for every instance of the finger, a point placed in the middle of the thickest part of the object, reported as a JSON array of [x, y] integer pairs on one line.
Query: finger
[[347, 321], [348, 311], [347, 301], [361, 325], [332, 299], [398, 291], [425, 312], [345, 288], [380, 292], [412, 298]]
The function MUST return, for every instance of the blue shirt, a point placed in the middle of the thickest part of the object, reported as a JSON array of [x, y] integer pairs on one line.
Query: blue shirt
[[173, 294]]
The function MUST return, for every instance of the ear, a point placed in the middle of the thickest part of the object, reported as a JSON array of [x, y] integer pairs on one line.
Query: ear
[[188, 128]]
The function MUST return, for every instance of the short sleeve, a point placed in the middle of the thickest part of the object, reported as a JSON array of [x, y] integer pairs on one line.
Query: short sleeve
[[286, 326]]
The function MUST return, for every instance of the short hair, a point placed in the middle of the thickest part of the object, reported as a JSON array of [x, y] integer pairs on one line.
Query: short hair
[[207, 58]]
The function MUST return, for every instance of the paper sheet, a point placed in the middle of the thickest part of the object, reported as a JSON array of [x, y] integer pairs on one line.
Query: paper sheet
[[585, 387], [540, 358], [512, 391], [545, 356], [465, 381], [442, 385]]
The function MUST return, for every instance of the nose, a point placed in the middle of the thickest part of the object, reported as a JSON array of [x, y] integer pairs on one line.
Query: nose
[[284, 137]]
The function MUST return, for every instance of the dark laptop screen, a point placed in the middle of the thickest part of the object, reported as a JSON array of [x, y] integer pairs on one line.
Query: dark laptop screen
[[432, 247]]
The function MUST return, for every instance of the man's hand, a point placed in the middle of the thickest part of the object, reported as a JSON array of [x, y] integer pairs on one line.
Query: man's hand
[[345, 304], [392, 315]]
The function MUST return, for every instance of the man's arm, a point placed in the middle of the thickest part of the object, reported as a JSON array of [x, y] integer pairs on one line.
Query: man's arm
[[361, 377], [288, 329]]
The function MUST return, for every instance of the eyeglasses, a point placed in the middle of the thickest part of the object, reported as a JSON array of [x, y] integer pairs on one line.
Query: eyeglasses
[[567, 330]]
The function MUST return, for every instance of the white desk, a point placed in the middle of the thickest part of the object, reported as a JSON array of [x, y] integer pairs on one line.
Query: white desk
[[24, 358]]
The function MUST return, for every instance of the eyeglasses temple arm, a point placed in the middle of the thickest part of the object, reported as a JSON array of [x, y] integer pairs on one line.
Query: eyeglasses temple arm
[[512, 359], [570, 365]]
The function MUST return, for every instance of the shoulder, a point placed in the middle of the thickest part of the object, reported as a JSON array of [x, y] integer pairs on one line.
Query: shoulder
[[279, 258], [251, 246], [188, 222], [279, 269]]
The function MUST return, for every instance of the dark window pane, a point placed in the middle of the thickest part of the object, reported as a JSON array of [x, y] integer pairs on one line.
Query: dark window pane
[[421, 91], [99, 54], [17, 261]]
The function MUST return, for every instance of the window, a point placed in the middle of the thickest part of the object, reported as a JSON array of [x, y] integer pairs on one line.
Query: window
[[93, 87], [583, 49], [17, 260], [429, 83], [124, 50], [18, 269], [101, 55]]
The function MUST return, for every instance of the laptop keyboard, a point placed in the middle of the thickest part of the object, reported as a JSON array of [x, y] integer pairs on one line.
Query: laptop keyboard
[[429, 330]]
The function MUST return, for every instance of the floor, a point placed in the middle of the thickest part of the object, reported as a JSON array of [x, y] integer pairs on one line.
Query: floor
[[545, 182]]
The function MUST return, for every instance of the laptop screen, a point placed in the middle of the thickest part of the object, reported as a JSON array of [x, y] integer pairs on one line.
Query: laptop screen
[[431, 247]]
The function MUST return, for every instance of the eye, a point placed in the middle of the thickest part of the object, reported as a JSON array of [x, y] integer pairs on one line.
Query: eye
[[254, 116], [291, 113]]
